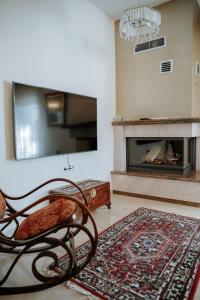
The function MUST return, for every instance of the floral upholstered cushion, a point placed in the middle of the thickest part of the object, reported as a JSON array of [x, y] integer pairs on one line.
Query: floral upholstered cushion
[[45, 218], [2, 205]]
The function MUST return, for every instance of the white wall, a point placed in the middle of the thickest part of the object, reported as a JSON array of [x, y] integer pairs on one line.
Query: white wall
[[66, 45]]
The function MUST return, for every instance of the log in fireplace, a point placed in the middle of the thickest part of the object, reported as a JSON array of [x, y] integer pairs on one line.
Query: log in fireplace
[[177, 155]]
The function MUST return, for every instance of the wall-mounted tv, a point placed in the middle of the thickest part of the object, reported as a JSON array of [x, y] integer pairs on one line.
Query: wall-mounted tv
[[49, 122]]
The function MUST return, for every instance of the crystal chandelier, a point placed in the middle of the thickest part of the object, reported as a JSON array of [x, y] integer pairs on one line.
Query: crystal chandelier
[[139, 24]]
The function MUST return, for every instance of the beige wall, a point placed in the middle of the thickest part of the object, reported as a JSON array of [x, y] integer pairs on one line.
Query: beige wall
[[141, 90], [196, 58]]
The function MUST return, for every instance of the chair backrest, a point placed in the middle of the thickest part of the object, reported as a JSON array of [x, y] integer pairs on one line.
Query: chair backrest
[[2, 205]]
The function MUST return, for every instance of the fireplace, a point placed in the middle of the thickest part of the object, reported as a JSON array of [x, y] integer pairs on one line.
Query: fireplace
[[174, 155], [178, 141]]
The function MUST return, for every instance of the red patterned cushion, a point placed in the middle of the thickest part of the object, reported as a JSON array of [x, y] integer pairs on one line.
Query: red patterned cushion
[[2, 205], [45, 218]]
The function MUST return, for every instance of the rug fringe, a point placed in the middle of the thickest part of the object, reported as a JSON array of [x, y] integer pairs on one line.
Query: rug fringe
[[77, 288], [71, 285]]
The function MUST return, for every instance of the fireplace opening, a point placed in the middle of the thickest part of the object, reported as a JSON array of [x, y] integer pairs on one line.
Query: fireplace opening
[[177, 155]]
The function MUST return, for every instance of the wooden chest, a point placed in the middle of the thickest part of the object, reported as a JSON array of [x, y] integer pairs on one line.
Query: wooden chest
[[97, 192]]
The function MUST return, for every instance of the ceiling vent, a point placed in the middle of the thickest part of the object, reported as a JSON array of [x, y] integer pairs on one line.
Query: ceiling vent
[[166, 66], [150, 45], [197, 68]]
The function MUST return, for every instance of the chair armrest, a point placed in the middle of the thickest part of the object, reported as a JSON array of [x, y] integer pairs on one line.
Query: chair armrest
[[44, 184]]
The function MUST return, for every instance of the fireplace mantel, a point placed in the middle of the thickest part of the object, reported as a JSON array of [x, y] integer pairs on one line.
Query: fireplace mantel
[[156, 121], [184, 127]]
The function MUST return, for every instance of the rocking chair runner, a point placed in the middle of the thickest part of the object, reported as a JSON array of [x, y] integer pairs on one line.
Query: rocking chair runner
[[34, 235]]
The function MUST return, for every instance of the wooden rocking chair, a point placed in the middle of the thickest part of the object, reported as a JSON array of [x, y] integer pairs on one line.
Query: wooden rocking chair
[[66, 215]]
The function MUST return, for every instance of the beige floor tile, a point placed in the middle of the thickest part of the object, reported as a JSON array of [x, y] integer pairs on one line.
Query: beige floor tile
[[121, 206]]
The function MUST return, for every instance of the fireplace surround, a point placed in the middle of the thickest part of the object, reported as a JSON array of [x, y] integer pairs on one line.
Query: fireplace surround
[[158, 185]]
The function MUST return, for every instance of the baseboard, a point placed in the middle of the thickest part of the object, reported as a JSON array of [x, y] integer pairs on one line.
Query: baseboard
[[155, 198]]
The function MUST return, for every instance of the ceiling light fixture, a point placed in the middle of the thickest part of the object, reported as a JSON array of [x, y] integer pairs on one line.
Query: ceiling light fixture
[[139, 24]]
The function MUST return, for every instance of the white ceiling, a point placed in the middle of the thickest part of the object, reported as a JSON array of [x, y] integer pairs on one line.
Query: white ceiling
[[114, 8]]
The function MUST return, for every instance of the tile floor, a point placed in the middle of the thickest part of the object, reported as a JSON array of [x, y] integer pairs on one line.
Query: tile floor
[[121, 206]]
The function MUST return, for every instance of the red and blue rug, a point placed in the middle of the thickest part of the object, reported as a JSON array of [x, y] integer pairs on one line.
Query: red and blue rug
[[149, 255]]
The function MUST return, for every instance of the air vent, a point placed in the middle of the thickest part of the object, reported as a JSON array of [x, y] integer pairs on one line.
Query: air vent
[[150, 45], [197, 68], [166, 66]]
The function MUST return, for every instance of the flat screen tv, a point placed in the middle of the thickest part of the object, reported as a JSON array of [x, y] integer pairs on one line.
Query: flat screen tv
[[49, 122]]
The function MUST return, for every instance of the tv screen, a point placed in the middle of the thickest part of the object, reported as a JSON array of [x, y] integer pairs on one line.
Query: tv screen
[[49, 122]]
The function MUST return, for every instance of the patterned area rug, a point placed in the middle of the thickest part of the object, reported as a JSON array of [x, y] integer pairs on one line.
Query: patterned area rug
[[147, 255]]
